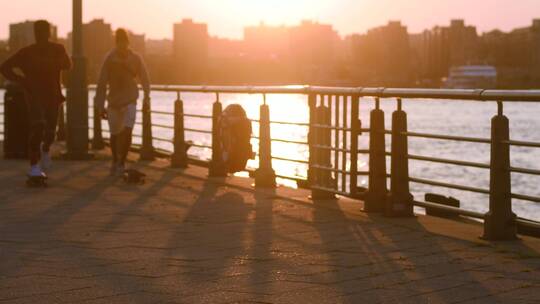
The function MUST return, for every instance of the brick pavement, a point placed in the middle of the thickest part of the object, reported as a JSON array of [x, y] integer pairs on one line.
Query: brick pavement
[[183, 238]]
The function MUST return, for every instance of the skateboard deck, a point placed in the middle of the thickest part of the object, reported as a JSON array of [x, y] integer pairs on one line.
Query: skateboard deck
[[37, 181], [133, 176]]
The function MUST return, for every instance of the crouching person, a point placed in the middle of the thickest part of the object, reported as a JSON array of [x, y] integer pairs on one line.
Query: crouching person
[[118, 85], [235, 136]]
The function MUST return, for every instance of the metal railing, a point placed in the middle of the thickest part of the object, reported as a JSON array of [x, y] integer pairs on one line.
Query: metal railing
[[333, 132]]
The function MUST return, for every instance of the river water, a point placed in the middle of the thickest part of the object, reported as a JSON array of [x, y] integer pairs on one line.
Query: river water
[[446, 117]]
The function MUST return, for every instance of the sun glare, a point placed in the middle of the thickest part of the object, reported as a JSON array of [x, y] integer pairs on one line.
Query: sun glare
[[279, 11]]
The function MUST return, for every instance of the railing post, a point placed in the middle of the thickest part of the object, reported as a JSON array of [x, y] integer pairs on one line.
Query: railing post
[[377, 193], [499, 222], [179, 158], [312, 137], [323, 156], [400, 200], [356, 125], [265, 176], [97, 138], [217, 166], [147, 149], [61, 131]]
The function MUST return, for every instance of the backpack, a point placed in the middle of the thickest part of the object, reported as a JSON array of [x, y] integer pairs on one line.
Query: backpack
[[235, 138]]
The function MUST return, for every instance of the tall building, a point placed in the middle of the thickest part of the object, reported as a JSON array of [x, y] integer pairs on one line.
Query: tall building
[[265, 41], [515, 54], [22, 35], [446, 47], [159, 47], [383, 56], [312, 47], [4, 52], [137, 43], [98, 40], [190, 51]]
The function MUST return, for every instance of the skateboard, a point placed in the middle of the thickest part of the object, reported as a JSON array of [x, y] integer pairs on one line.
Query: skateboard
[[133, 176], [39, 181]]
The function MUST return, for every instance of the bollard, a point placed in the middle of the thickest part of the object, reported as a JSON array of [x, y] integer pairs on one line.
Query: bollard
[[61, 131], [147, 149], [500, 221], [377, 193], [217, 166], [400, 200], [323, 156], [312, 137], [265, 176], [356, 125], [97, 139], [179, 159]]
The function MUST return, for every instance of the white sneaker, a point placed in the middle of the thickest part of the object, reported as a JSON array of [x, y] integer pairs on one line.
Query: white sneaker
[[35, 170], [46, 161]]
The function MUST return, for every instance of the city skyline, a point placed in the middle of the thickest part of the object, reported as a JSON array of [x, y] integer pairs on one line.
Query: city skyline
[[225, 22]]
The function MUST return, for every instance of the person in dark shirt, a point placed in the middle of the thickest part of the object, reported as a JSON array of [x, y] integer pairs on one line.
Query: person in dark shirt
[[37, 68]]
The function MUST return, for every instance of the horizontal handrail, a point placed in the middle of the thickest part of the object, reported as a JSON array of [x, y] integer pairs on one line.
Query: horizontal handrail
[[411, 93], [197, 131], [302, 124], [197, 116], [289, 141], [290, 160], [524, 171], [161, 112], [444, 137], [201, 146], [524, 197], [448, 161], [448, 185], [522, 143]]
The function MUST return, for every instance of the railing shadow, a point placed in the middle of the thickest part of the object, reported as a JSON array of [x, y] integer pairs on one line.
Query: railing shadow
[[386, 262]]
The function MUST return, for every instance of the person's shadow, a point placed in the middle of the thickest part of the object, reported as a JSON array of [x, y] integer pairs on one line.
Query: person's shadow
[[217, 224]]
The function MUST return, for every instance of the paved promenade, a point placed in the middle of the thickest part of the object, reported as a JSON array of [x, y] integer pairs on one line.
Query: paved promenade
[[182, 238]]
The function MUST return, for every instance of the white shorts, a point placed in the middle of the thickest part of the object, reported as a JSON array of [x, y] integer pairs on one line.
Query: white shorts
[[120, 118]]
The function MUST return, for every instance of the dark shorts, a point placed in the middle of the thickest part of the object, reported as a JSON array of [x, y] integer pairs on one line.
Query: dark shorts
[[39, 113]]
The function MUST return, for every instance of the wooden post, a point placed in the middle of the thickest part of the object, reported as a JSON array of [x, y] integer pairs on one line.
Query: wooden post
[[312, 137], [97, 139], [77, 139], [376, 195], [500, 221], [217, 166], [400, 200], [356, 125], [179, 158], [265, 176], [323, 156], [147, 149]]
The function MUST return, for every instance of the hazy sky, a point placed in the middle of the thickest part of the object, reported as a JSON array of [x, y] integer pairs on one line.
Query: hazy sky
[[227, 18]]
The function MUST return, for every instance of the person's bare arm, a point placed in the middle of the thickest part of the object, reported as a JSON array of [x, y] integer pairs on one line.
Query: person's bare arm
[[8, 69], [101, 90], [143, 78]]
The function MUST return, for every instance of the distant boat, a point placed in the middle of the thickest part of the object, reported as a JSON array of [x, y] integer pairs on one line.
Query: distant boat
[[472, 77]]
